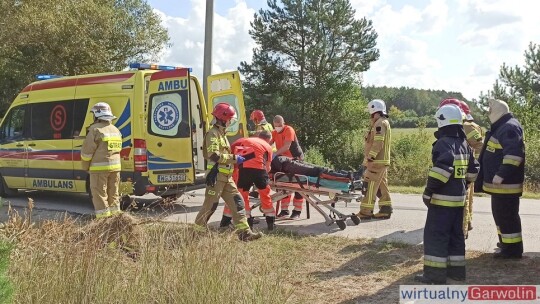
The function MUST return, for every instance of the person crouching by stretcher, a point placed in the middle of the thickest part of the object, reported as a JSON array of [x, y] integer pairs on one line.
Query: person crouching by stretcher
[[253, 171], [287, 145]]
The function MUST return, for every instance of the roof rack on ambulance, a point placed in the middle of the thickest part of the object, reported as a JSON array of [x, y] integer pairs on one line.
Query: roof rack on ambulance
[[146, 66], [47, 76]]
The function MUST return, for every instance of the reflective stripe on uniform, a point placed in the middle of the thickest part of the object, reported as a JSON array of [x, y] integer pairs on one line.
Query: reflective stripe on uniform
[[86, 157], [474, 134], [242, 226], [378, 137], [103, 213], [503, 188], [461, 160], [448, 200], [511, 238], [456, 260], [440, 174], [224, 170], [113, 137], [104, 166], [373, 154], [471, 177], [494, 143], [512, 160], [433, 261], [385, 203], [115, 210]]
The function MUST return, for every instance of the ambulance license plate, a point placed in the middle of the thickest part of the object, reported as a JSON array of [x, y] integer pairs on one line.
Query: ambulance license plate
[[171, 178]]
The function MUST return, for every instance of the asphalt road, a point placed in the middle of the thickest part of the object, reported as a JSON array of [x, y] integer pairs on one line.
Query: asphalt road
[[406, 224]]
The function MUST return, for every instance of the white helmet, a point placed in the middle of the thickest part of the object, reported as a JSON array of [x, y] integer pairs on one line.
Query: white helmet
[[376, 105], [449, 115], [103, 111]]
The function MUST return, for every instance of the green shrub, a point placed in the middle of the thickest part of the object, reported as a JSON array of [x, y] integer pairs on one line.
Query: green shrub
[[532, 162], [5, 285], [410, 158], [346, 152], [315, 156]]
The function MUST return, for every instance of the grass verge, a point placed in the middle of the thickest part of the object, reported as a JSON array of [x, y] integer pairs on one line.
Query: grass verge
[[123, 260], [5, 285]]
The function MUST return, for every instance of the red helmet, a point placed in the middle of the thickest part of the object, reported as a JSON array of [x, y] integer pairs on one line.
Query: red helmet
[[224, 111], [463, 106], [257, 115], [450, 101]]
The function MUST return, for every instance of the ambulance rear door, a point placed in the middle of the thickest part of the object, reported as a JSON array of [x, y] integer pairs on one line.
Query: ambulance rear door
[[169, 141], [227, 87]]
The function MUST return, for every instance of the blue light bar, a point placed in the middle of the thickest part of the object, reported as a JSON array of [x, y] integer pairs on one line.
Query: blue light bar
[[46, 76], [146, 66]]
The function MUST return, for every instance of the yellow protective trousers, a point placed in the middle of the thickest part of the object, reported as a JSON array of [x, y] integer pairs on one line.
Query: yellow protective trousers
[[377, 182]]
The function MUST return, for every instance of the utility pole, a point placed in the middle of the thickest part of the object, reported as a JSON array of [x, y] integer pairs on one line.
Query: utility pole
[[208, 33]]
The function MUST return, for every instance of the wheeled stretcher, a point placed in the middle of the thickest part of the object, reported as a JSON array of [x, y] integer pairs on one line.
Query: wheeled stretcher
[[311, 188]]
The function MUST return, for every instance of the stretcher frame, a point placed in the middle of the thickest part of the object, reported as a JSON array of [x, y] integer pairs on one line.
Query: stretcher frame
[[310, 192]]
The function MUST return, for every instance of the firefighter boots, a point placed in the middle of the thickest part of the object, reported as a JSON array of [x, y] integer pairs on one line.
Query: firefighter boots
[[365, 214], [248, 235], [283, 213], [384, 213], [225, 222], [295, 215], [250, 222]]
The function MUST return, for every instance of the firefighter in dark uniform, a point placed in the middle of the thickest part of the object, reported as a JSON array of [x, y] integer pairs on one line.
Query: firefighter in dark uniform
[[476, 141], [454, 167], [502, 175]]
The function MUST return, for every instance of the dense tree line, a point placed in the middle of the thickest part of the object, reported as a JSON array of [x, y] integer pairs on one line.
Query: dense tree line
[[70, 37]]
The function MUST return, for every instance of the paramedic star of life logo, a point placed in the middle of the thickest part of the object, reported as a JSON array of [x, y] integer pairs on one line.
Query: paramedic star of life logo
[[166, 115]]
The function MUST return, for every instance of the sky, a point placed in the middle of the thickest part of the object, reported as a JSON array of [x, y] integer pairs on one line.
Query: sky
[[454, 45]]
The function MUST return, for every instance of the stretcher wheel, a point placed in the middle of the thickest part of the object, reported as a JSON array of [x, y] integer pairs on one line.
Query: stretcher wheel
[[355, 219], [341, 224]]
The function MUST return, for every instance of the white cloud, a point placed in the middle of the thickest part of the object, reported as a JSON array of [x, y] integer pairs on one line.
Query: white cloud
[[231, 43], [434, 17], [413, 35]]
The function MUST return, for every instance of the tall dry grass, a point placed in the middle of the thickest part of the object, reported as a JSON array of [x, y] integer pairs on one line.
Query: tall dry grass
[[121, 260]]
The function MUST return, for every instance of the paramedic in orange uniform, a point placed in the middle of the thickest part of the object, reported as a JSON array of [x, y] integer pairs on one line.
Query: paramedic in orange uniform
[[287, 144], [254, 171]]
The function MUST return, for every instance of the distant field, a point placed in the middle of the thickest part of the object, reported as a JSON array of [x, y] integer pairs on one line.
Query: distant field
[[405, 131]]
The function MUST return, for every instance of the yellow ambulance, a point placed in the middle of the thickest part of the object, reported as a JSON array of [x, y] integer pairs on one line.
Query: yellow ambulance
[[161, 113]]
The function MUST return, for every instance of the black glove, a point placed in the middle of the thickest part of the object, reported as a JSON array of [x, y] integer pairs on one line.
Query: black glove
[[211, 177], [426, 198]]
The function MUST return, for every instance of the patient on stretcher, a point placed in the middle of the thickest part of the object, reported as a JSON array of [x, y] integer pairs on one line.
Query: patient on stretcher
[[294, 167]]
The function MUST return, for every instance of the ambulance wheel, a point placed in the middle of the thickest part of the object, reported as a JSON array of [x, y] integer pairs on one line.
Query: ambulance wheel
[[355, 219], [5, 191], [341, 224]]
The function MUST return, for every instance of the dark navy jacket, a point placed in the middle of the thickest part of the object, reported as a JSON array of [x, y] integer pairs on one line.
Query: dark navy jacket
[[503, 154], [454, 167]]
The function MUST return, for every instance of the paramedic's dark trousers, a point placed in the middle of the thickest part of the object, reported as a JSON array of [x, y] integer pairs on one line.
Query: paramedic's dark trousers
[[505, 209], [444, 243]]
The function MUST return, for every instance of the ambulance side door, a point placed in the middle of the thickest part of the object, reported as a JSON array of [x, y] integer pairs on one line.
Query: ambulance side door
[[50, 156], [13, 146], [227, 87]]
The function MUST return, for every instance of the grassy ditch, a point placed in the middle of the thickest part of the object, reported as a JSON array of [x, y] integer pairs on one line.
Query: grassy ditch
[[130, 260]]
